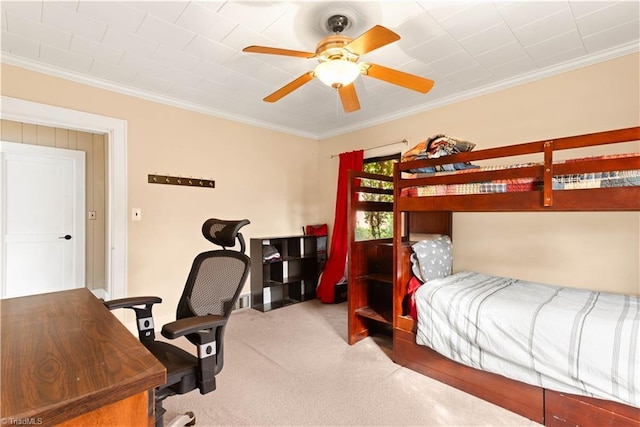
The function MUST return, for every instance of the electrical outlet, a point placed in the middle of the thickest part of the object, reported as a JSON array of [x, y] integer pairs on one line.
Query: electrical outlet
[[136, 214]]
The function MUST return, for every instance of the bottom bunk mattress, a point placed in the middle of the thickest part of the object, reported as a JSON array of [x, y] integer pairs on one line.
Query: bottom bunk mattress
[[564, 339]]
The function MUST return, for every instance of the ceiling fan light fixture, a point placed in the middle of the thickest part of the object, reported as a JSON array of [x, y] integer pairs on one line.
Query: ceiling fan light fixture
[[337, 72]]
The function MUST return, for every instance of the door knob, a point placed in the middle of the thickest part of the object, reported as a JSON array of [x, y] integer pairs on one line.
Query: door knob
[[66, 237]]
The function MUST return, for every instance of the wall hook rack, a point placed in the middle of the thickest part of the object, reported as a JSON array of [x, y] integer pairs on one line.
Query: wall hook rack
[[181, 180]]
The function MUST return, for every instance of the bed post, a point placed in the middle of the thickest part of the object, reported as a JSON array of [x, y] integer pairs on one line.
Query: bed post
[[548, 174], [398, 293]]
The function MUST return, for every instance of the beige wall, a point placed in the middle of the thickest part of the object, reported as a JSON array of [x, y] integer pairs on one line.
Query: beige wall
[[262, 175], [256, 177], [589, 250], [94, 148]]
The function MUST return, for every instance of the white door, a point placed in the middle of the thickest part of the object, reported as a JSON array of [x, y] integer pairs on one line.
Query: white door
[[43, 230]]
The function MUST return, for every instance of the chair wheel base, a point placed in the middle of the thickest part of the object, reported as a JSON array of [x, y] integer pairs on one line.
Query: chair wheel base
[[186, 419], [193, 419]]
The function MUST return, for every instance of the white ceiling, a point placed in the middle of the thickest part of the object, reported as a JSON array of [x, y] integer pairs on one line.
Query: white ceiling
[[189, 53]]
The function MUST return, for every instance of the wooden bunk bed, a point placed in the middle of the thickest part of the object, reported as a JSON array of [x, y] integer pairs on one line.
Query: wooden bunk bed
[[544, 406]]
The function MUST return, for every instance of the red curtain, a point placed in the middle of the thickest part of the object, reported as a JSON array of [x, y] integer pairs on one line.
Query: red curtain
[[335, 268]]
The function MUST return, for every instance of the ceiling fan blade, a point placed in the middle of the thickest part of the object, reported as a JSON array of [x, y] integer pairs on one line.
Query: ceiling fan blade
[[372, 39], [349, 98], [290, 87], [389, 75], [277, 51]]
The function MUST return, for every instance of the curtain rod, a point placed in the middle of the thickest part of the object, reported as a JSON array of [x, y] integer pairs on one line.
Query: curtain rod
[[404, 141]]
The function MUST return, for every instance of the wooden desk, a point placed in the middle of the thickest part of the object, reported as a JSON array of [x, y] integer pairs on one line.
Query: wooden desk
[[66, 359]]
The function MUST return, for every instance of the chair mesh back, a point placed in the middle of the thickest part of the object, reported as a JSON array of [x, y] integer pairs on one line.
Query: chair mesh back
[[214, 283]]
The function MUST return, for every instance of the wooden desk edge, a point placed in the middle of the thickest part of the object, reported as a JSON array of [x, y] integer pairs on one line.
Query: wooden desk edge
[[54, 414], [147, 379]]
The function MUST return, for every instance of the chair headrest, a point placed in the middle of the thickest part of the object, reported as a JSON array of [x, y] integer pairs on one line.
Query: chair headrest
[[224, 233]]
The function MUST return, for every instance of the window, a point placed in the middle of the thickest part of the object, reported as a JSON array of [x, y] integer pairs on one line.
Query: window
[[376, 225]]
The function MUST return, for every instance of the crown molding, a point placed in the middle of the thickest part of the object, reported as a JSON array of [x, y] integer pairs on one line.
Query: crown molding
[[496, 87], [142, 94], [515, 81]]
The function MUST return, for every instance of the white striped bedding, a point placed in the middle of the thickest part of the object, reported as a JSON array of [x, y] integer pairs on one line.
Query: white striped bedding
[[565, 339]]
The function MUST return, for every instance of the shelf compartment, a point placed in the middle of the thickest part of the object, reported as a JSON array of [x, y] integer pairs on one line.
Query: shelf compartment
[[272, 283], [283, 281], [304, 292], [292, 259], [378, 277], [273, 305], [382, 316]]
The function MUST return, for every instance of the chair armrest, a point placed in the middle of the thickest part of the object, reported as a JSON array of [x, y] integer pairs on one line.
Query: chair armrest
[[131, 302], [143, 306], [191, 325]]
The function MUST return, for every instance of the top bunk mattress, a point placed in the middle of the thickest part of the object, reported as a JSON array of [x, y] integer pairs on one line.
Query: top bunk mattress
[[625, 178]]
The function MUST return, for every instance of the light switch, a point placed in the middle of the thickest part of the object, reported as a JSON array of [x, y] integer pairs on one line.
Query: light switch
[[92, 215], [136, 214]]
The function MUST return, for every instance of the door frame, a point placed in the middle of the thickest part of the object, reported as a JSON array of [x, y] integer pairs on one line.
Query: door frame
[[23, 111]]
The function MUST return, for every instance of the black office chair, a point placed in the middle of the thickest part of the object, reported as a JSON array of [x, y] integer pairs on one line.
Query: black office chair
[[212, 289]]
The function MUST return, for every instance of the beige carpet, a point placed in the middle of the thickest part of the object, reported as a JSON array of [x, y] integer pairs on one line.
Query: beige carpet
[[293, 367]]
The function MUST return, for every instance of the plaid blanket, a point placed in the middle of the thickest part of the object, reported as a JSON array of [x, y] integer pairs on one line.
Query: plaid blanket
[[560, 182]]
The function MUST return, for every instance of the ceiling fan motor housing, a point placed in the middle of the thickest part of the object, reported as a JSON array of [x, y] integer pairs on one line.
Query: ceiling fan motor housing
[[337, 23], [332, 47]]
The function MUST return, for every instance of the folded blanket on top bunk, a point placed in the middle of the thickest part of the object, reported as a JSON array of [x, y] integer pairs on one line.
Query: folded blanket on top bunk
[[438, 146], [565, 339]]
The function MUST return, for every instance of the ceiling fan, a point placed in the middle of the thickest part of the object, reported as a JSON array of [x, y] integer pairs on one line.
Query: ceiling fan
[[338, 65]]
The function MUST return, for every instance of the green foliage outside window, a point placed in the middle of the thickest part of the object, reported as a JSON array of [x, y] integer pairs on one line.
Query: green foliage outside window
[[376, 225]]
